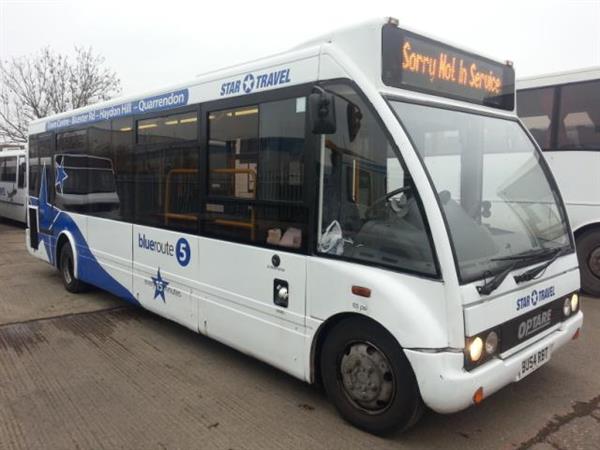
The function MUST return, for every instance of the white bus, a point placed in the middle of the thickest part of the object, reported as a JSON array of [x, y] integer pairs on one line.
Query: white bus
[[13, 182], [562, 112], [363, 211]]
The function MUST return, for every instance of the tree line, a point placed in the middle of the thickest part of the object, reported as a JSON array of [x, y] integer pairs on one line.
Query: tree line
[[47, 83]]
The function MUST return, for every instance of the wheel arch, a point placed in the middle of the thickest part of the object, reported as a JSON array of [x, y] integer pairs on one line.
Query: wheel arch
[[321, 335], [591, 226], [63, 238]]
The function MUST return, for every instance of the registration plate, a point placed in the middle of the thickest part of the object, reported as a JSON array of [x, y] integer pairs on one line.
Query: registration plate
[[534, 361]]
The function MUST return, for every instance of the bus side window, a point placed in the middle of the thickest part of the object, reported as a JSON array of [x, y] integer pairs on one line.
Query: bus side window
[[256, 174], [579, 124], [8, 171], [536, 108], [166, 172]]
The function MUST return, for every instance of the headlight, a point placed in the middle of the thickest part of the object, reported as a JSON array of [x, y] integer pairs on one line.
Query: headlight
[[491, 343], [574, 302], [476, 349], [567, 307]]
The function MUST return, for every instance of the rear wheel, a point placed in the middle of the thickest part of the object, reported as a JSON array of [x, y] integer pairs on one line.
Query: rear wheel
[[67, 270], [368, 378], [588, 253]]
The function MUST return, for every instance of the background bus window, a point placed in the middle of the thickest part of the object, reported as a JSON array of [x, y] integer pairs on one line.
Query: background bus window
[[22, 172], [579, 112], [8, 170], [370, 210], [166, 172], [535, 108], [256, 174]]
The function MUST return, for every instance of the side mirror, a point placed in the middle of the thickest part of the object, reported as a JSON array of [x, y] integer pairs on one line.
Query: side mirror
[[321, 113]]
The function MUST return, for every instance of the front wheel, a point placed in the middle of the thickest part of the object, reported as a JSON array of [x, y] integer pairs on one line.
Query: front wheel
[[67, 270], [588, 253], [368, 378]]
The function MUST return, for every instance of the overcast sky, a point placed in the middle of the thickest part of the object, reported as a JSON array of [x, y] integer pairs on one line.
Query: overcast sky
[[151, 43]]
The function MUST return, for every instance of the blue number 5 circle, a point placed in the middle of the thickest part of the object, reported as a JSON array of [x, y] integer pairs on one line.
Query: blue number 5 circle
[[183, 252]]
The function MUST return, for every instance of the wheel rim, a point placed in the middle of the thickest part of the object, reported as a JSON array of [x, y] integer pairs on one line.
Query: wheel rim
[[67, 267], [367, 378], [594, 262]]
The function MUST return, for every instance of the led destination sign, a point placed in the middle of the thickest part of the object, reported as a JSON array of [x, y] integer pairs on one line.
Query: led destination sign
[[415, 62]]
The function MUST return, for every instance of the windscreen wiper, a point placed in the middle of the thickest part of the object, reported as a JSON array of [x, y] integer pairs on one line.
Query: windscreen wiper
[[530, 254], [534, 272], [489, 287]]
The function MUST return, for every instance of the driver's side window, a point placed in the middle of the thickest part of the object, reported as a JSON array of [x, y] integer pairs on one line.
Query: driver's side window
[[369, 205]]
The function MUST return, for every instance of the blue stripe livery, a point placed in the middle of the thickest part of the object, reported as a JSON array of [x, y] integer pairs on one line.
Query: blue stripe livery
[[52, 222]]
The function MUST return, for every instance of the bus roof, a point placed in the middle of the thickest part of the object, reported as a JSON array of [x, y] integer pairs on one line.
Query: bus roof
[[551, 79], [352, 45]]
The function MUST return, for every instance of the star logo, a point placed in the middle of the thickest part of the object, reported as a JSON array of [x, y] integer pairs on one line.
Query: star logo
[[248, 83], [534, 297], [160, 286], [61, 176]]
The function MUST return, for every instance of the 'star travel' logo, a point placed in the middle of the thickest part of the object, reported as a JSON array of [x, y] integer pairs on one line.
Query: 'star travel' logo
[[252, 81], [181, 250], [536, 296]]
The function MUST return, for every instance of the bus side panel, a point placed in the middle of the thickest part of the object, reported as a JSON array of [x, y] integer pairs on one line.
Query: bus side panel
[[12, 198], [110, 242], [6, 207], [413, 309], [238, 297], [576, 173], [164, 264]]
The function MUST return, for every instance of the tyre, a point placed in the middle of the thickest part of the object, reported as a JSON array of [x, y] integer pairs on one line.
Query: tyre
[[67, 270], [368, 378], [588, 253]]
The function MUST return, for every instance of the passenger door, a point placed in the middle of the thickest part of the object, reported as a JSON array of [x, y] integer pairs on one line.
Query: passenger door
[[253, 262], [166, 214]]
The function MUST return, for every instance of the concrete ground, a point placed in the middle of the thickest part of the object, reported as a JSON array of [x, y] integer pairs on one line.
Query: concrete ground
[[88, 371]]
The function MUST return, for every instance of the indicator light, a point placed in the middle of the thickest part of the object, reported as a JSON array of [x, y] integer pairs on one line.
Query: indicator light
[[361, 291], [478, 396]]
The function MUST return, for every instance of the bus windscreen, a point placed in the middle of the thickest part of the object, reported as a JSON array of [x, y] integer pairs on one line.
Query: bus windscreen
[[414, 62]]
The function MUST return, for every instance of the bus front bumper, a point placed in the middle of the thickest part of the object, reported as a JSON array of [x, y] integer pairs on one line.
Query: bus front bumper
[[446, 387]]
